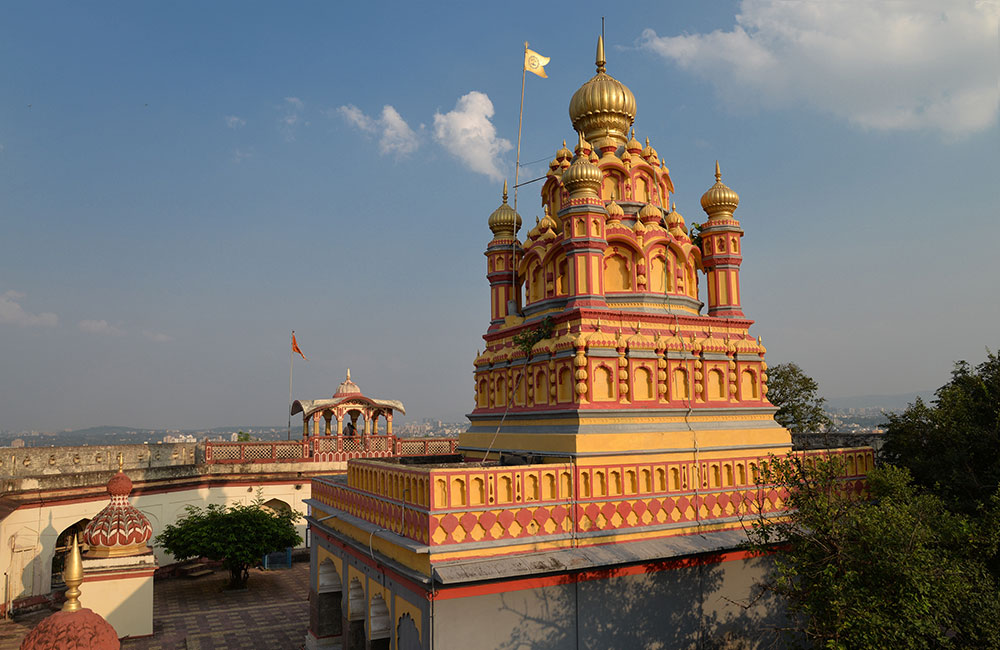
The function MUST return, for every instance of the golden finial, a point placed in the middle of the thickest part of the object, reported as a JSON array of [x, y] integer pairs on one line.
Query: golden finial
[[121, 461], [718, 173], [600, 54], [505, 190], [348, 374], [647, 142], [73, 577]]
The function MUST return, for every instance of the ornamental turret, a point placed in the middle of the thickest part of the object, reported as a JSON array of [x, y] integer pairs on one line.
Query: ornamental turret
[[501, 258], [583, 218], [721, 252]]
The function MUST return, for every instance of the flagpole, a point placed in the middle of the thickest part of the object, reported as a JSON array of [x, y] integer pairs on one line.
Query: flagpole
[[291, 363], [517, 171]]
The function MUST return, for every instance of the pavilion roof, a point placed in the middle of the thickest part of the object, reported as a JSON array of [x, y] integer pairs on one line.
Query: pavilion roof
[[309, 406]]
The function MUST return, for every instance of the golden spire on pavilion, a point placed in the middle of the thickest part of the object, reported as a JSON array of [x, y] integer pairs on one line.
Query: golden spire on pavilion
[[73, 577]]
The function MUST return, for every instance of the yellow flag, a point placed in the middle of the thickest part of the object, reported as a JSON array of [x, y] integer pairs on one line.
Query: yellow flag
[[535, 62]]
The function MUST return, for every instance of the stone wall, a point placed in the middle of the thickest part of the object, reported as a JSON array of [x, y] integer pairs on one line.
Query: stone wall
[[44, 461]]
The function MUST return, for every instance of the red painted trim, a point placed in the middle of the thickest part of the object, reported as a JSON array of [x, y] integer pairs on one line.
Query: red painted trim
[[118, 575]]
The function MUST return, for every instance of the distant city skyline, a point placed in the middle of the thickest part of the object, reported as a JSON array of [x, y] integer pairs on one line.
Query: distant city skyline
[[181, 186]]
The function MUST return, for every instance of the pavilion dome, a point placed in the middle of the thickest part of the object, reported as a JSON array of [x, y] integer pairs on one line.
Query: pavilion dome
[[75, 627], [603, 108], [347, 387], [119, 529]]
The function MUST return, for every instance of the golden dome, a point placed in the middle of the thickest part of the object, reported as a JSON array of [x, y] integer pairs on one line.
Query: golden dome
[[603, 108], [650, 155], [547, 222], [564, 153], [650, 214], [719, 201], [615, 212], [504, 222], [633, 146], [583, 176], [675, 223]]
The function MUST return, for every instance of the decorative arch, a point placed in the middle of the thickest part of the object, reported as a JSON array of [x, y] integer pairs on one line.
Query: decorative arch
[[748, 385], [603, 384], [716, 385], [379, 621], [643, 384], [407, 634], [617, 270]]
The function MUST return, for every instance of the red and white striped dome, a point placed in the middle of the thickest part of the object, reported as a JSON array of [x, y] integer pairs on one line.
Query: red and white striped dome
[[120, 529]]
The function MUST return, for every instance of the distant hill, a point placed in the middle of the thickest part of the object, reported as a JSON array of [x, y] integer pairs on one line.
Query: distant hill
[[887, 402]]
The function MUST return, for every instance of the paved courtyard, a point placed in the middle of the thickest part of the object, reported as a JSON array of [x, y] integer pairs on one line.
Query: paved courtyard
[[190, 613]]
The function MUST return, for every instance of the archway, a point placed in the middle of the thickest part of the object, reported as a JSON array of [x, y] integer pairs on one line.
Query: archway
[[328, 610], [63, 542], [379, 624], [407, 635]]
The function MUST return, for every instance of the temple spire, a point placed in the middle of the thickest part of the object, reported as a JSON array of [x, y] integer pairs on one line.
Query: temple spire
[[73, 577], [718, 172], [505, 190], [600, 54]]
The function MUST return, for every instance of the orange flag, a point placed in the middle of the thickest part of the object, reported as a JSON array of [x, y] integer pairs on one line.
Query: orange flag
[[295, 346]]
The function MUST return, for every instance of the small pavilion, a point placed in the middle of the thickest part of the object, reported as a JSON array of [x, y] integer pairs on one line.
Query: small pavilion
[[346, 406]]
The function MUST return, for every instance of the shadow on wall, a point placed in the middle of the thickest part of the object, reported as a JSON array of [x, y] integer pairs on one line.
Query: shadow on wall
[[691, 603]]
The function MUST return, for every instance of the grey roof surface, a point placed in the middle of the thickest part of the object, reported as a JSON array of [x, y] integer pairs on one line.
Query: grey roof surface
[[590, 557]]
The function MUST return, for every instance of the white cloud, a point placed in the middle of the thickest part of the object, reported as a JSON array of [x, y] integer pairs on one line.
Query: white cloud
[[12, 313], [235, 122], [395, 135], [99, 327], [239, 155], [469, 135], [899, 65], [157, 337], [291, 117]]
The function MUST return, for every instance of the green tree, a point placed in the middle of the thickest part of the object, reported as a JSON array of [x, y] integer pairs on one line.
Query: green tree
[[952, 447], [238, 535], [892, 569], [794, 392]]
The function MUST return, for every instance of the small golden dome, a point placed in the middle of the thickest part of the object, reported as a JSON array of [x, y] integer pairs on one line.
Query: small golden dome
[[504, 222], [564, 153], [603, 108], [719, 201], [675, 223], [547, 222], [650, 214], [633, 146], [649, 153], [582, 177], [615, 212]]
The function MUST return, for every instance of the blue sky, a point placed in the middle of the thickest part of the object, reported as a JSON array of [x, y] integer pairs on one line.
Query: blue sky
[[183, 184]]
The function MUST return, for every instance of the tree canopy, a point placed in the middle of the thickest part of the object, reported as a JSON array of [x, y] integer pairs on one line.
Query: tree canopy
[[800, 408], [914, 561], [952, 447], [238, 535], [894, 568]]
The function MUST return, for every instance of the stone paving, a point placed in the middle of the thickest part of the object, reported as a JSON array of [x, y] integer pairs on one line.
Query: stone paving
[[196, 613]]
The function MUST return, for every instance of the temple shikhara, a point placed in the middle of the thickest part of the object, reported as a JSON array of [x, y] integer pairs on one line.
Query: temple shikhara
[[601, 493]]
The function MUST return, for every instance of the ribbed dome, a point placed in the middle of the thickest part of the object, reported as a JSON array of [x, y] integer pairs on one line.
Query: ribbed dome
[[119, 529], [504, 222], [650, 214], [719, 201], [582, 177], [615, 212], [675, 223], [603, 109], [348, 387]]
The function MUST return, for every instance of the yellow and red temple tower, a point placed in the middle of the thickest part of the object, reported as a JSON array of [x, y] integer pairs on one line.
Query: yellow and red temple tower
[[609, 470]]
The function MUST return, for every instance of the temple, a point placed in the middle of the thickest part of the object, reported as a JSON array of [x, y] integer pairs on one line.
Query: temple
[[608, 473]]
